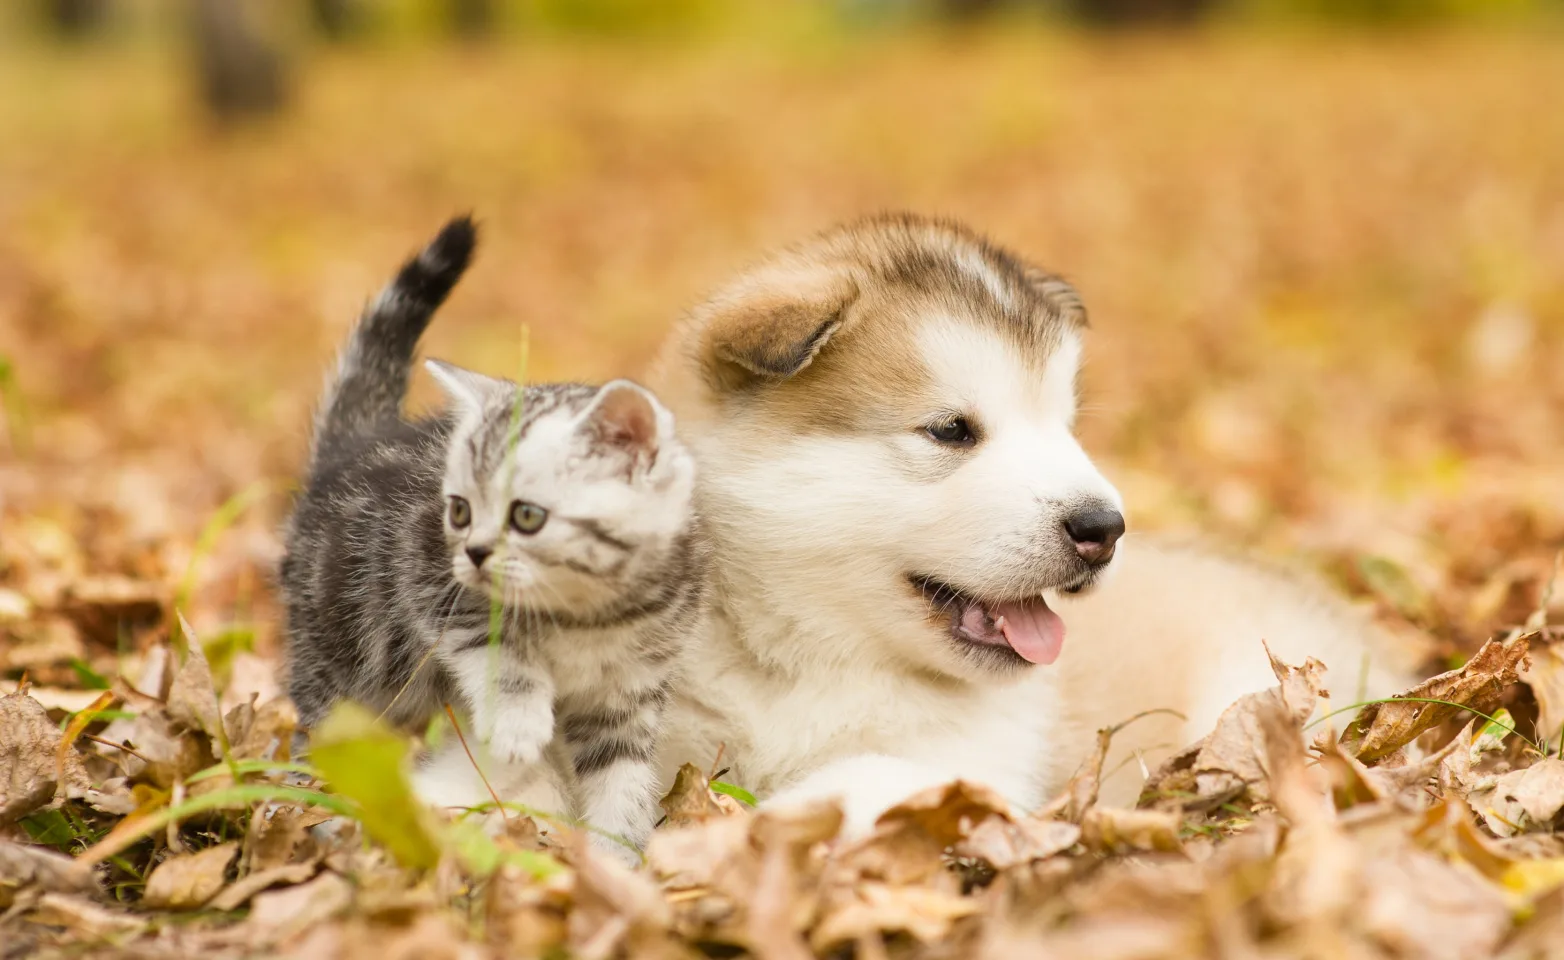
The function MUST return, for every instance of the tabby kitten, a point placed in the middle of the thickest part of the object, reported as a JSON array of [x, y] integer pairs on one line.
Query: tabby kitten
[[531, 555]]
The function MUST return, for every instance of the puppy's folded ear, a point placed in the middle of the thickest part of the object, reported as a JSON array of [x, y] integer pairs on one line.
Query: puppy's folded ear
[[772, 323], [1061, 300]]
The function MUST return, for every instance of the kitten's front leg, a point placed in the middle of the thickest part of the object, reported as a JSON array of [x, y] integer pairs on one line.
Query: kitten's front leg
[[612, 753], [511, 700]]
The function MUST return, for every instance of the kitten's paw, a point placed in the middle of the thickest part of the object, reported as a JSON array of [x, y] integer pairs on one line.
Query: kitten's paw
[[521, 731]]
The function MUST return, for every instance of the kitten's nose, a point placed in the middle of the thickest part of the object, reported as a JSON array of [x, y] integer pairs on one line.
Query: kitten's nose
[[1095, 530], [478, 553]]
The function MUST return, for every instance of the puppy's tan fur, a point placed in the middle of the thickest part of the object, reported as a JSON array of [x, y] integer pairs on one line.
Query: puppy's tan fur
[[805, 387]]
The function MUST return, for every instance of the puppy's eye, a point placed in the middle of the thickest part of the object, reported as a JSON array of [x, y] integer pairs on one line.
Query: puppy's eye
[[955, 431], [527, 517], [460, 513]]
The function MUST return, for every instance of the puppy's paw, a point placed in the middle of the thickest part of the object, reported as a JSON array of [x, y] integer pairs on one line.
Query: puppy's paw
[[521, 731]]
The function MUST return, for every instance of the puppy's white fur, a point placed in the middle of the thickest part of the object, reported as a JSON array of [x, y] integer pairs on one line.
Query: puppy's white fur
[[804, 390]]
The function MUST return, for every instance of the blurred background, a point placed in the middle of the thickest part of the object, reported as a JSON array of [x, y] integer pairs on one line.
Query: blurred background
[[1322, 243]]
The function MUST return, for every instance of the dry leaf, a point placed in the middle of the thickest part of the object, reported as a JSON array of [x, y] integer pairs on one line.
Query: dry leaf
[[614, 907], [189, 880], [192, 700], [31, 761], [925, 913], [1419, 905], [776, 913], [910, 839], [29, 869], [690, 799], [1003, 843], [1382, 728], [1110, 830], [83, 916], [275, 831], [1544, 673], [1521, 800], [1232, 760], [241, 890], [278, 914], [107, 605]]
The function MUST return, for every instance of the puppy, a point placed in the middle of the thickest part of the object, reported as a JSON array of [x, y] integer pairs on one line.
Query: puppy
[[920, 575]]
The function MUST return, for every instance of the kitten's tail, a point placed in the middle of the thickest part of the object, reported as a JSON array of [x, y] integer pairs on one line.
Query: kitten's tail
[[372, 373]]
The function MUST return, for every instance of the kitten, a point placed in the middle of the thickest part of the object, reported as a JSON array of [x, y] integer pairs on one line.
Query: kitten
[[531, 555]]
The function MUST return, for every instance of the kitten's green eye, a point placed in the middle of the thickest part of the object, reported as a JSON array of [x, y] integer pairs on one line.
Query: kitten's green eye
[[460, 513], [527, 517]]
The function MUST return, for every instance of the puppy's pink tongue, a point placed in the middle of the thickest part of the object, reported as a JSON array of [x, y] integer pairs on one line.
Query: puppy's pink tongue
[[1032, 630]]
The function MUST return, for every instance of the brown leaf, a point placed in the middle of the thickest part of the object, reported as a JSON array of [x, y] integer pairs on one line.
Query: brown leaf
[[910, 839], [83, 916], [186, 881], [1544, 673], [690, 799], [31, 762], [1232, 759], [1522, 800], [1419, 905], [279, 914], [925, 913], [241, 890], [192, 700], [28, 869], [264, 732], [1003, 844], [105, 605], [1112, 830], [776, 913], [1383, 728], [275, 832], [614, 907]]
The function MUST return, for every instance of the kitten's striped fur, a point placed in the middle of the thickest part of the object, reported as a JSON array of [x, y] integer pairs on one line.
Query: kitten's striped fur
[[388, 584]]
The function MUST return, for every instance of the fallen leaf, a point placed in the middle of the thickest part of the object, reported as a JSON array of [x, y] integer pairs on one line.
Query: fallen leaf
[[925, 913], [192, 700], [1522, 800], [776, 914], [616, 909], [30, 869], [275, 831], [83, 916], [1382, 728], [690, 799], [44, 642], [909, 840], [1419, 905], [1003, 843], [1533, 878], [278, 914], [106, 605], [187, 881], [32, 767], [1111, 830], [240, 891], [1544, 673], [1231, 759]]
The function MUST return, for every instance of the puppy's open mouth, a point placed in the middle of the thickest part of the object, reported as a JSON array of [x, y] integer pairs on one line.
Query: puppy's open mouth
[[1026, 628]]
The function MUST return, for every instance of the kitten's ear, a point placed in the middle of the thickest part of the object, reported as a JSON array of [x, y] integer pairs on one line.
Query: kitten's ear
[[466, 388], [625, 416]]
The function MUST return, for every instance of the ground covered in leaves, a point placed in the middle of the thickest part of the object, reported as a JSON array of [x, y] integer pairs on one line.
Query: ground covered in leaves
[[1327, 284]]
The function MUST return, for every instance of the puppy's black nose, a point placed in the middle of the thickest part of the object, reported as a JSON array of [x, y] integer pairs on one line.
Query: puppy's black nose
[[478, 553], [1095, 530]]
